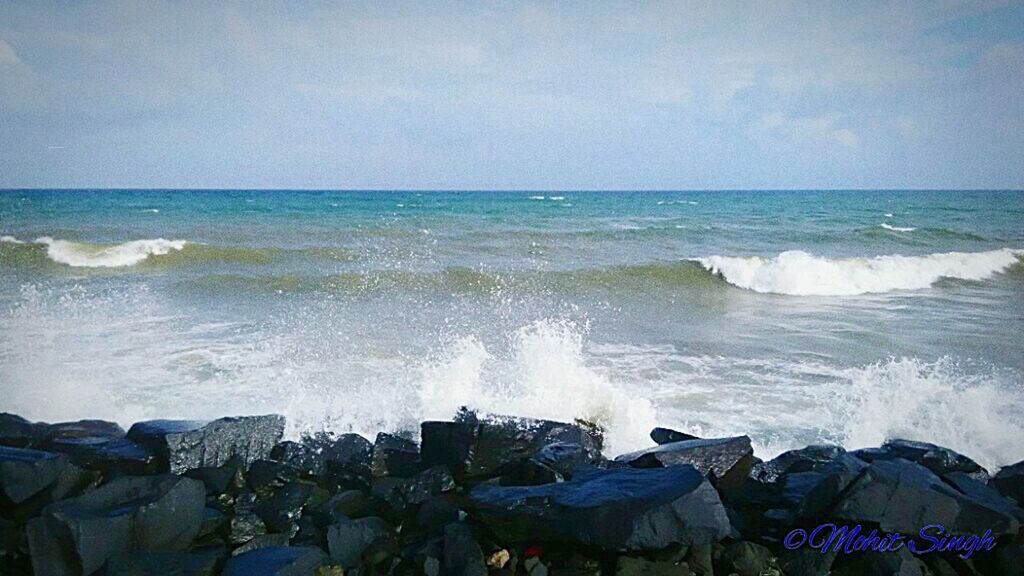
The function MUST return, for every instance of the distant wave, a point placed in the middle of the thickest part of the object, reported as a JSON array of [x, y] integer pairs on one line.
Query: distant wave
[[81, 255], [799, 273], [897, 228]]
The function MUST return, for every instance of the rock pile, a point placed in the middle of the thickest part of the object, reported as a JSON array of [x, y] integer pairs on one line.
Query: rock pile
[[474, 496]]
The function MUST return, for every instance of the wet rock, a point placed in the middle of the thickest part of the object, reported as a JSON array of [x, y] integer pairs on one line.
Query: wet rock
[[265, 476], [436, 513], [26, 474], [535, 567], [213, 520], [225, 479], [1010, 482], [261, 541], [80, 534], [349, 504], [983, 494], [806, 562], [668, 436], [395, 456], [634, 566], [111, 456], [277, 561], [349, 540], [82, 429], [18, 432], [163, 564], [400, 493], [899, 563], [462, 554], [626, 508], [479, 448], [280, 511], [564, 458], [314, 454], [744, 559], [726, 461], [181, 445], [901, 496], [801, 460], [245, 523], [938, 459]]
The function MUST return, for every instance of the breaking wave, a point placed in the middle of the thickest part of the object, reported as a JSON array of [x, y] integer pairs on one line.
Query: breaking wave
[[82, 255], [800, 273], [897, 228]]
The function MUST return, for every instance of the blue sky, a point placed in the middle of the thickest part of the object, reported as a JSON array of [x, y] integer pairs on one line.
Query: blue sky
[[545, 95]]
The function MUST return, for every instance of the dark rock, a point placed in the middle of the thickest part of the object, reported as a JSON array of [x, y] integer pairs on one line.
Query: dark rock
[[395, 456], [634, 566], [899, 563], [82, 429], [801, 460], [626, 508], [901, 496], [349, 504], [314, 454], [983, 494], [726, 461], [482, 448], [436, 513], [280, 511], [111, 456], [80, 534], [349, 540], [938, 459], [308, 533], [700, 559], [225, 479], [181, 445], [213, 520], [1005, 559], [277, 561], [402, 492], [535, 567], [462, 554], [27, 474], [564, 458], [265, 476], [668, 436], [806, 562], [261, 541], [743, 559], [245, 522], [163, 564], [20, 433], [1010, 481]]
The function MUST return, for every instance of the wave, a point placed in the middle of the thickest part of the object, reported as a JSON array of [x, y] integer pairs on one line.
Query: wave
[[897, 228], [800, 273], [81, 255]]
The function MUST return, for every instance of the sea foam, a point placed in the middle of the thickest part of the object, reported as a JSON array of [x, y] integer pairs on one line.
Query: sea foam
[[97, 256], [800, 273]]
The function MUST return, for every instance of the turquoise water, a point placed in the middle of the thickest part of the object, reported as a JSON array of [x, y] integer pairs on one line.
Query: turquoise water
[[846, 316]]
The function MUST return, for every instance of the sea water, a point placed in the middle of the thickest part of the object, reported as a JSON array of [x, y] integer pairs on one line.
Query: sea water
[[795, 317]]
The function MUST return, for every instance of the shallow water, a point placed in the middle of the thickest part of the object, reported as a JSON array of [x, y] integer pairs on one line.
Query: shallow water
[[794, 317]]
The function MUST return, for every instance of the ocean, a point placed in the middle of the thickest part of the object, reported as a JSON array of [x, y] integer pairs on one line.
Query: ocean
[[795, 317]]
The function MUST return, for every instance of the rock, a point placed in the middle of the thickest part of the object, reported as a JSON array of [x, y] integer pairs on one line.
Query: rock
[[349, 504], [394, 456], [402, 492], [277, 561], [280, 511], [564, 458], [625, 508], [265, 476], [181, 445], [535, 567], [482, 448], [806, 562], [744, 559], [111, 456], [901, 496], [152, 513], [349, 540], [163, 564], [983, 494], [899, 563], [668, 436], [82, 429], [1006, 559], [632, 566], [801, 460], [935, 458], [18, 432], [261, 541], [314, 454], [213, 520], [245, 522], [498, 559], [436, 513], [726, 461], [225, 479], [26, 474], [462, 554], [1010, 482]]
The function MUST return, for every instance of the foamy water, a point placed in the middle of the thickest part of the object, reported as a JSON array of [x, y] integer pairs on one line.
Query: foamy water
[[689, 310]]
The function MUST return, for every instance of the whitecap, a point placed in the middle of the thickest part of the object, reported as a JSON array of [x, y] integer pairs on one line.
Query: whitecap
[[799, 273], [10, 240], [897, 228], [82, 255]]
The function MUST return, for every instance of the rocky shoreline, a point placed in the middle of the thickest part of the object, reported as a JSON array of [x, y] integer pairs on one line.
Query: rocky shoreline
[[479, 495]]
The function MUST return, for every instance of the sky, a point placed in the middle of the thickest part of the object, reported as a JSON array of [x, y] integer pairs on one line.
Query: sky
[[509, 95]]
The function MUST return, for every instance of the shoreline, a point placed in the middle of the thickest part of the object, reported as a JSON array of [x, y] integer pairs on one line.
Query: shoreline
[[487, 495]]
